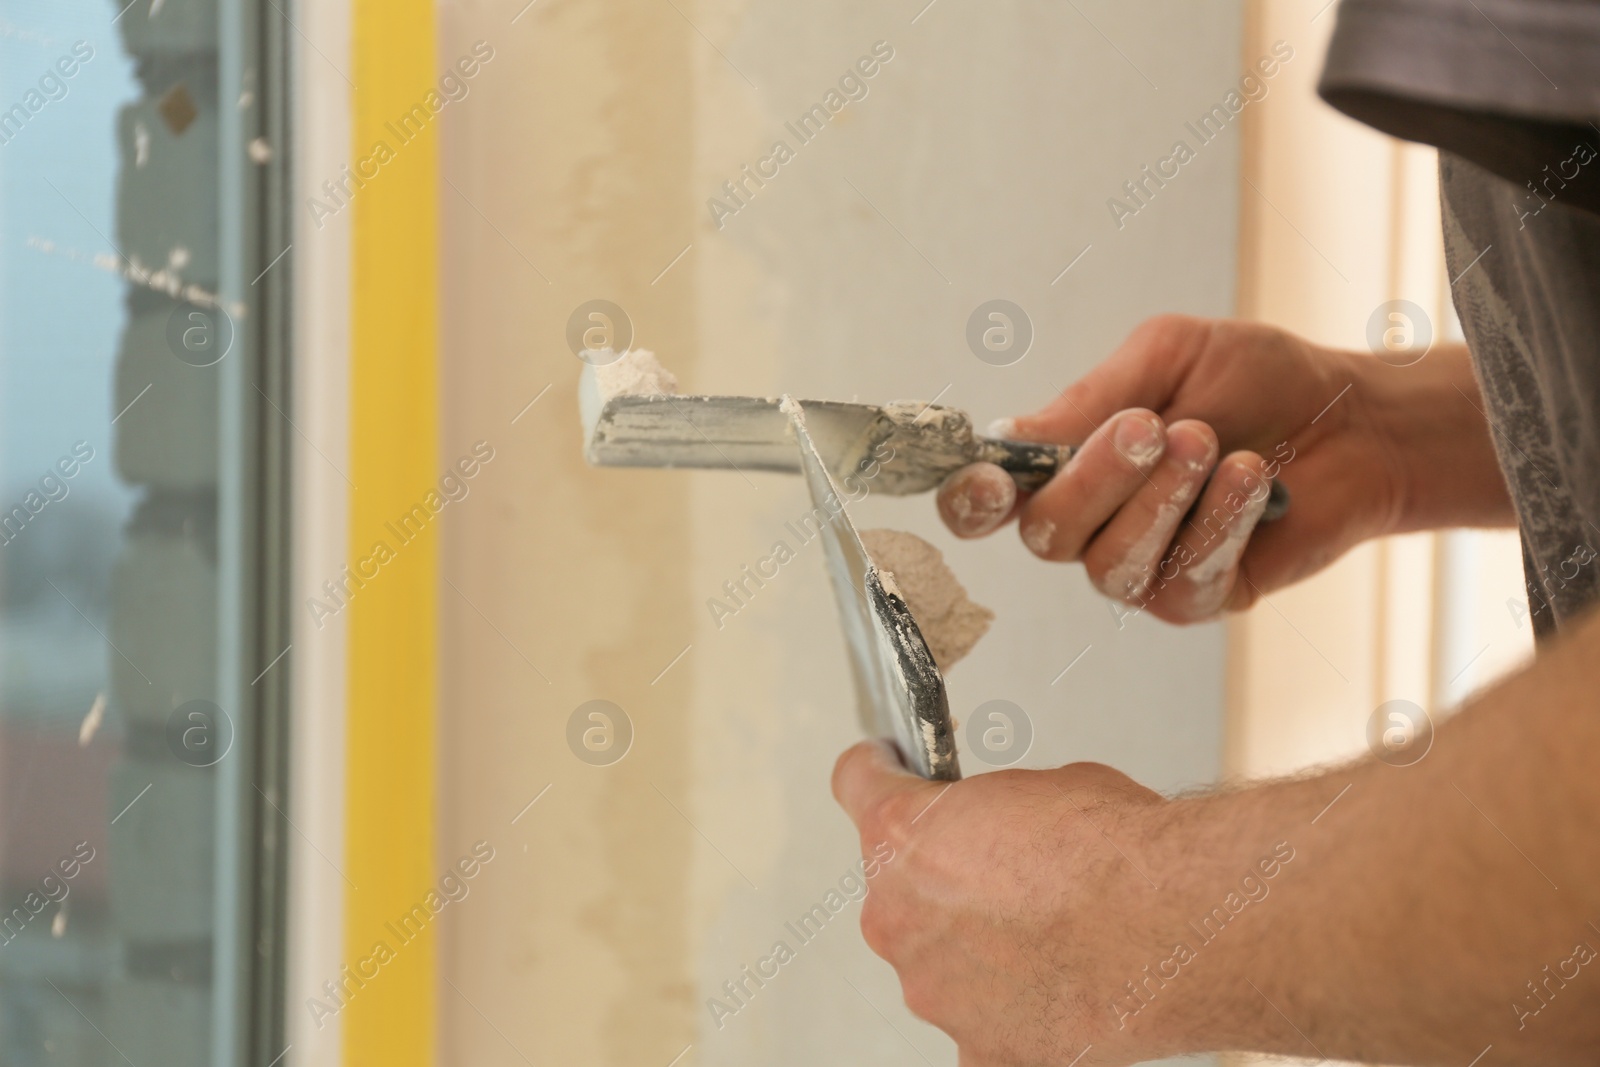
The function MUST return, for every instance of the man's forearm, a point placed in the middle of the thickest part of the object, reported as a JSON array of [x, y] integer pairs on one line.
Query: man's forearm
[[1428, 910]]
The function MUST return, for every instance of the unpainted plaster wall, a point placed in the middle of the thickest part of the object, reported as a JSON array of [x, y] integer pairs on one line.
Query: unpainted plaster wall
[[580, 165]]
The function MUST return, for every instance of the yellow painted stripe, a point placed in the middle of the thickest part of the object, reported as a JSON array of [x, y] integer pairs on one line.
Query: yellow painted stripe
[[390, 1019]]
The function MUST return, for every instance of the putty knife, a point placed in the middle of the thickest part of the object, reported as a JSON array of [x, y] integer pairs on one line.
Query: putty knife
[[900, 692], [929, 441], [751, 433]]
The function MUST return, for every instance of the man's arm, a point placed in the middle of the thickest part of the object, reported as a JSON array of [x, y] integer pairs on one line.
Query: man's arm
[[1415, 914], [1433, 909]]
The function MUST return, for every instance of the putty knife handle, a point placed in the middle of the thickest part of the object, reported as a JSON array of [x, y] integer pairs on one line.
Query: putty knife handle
[[1031, 464]]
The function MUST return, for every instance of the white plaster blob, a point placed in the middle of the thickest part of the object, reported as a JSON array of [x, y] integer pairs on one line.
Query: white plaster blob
[[636, 372], [910, 567]]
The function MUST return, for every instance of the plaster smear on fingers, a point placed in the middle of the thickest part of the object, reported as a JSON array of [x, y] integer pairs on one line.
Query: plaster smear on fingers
[[915, 571], [1039, 536], [636, 372], [1146, 454], [980, 498], [1208, 574], [1005, 429], [1132, 576]]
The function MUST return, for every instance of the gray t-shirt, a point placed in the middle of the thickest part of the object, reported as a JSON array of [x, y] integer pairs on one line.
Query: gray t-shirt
[[1509, 90]]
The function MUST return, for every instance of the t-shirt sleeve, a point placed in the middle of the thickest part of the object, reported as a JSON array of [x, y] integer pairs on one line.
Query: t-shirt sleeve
[[1512, 85]]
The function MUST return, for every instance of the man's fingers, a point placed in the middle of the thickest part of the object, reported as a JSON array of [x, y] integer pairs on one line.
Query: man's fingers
[[977, 499], [1200, 574], [1101, 477], [1123, 557], [868, 775]]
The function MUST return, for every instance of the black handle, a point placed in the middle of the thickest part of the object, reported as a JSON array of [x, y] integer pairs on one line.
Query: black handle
[[1031, 464]]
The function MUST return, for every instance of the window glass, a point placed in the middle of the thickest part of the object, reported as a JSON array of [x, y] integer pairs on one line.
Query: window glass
[[131, 779]]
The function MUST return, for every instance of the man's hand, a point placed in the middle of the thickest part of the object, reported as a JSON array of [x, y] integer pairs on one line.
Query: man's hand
[[994, 911], [1364, 449]]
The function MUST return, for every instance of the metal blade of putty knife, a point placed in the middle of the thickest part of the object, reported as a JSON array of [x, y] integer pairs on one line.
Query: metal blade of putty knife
[[899, 688], [916, 444], [913, 446]]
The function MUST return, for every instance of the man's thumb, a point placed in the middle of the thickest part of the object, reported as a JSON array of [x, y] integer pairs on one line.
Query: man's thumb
[[868, 774]]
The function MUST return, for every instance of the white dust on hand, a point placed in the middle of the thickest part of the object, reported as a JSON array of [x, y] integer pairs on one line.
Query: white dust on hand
[[978, 497], [1146, 454], [1039, 536], [636, 372], [914, 570], [1131, 577], [1209, 576]]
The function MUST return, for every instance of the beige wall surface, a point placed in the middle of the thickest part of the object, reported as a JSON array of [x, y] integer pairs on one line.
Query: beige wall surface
[[579, 166]]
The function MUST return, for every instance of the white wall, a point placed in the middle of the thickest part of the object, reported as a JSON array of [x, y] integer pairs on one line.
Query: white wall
[[978, 166]]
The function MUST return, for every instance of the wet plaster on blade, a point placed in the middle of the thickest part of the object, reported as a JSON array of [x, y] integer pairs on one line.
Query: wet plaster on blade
[[914, 570], [637, 372]]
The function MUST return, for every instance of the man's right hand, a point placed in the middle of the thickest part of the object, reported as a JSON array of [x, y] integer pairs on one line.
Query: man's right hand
[[1364, 449]]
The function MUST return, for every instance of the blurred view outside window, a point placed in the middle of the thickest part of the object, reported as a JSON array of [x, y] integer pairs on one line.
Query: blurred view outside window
[[131, 774]]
